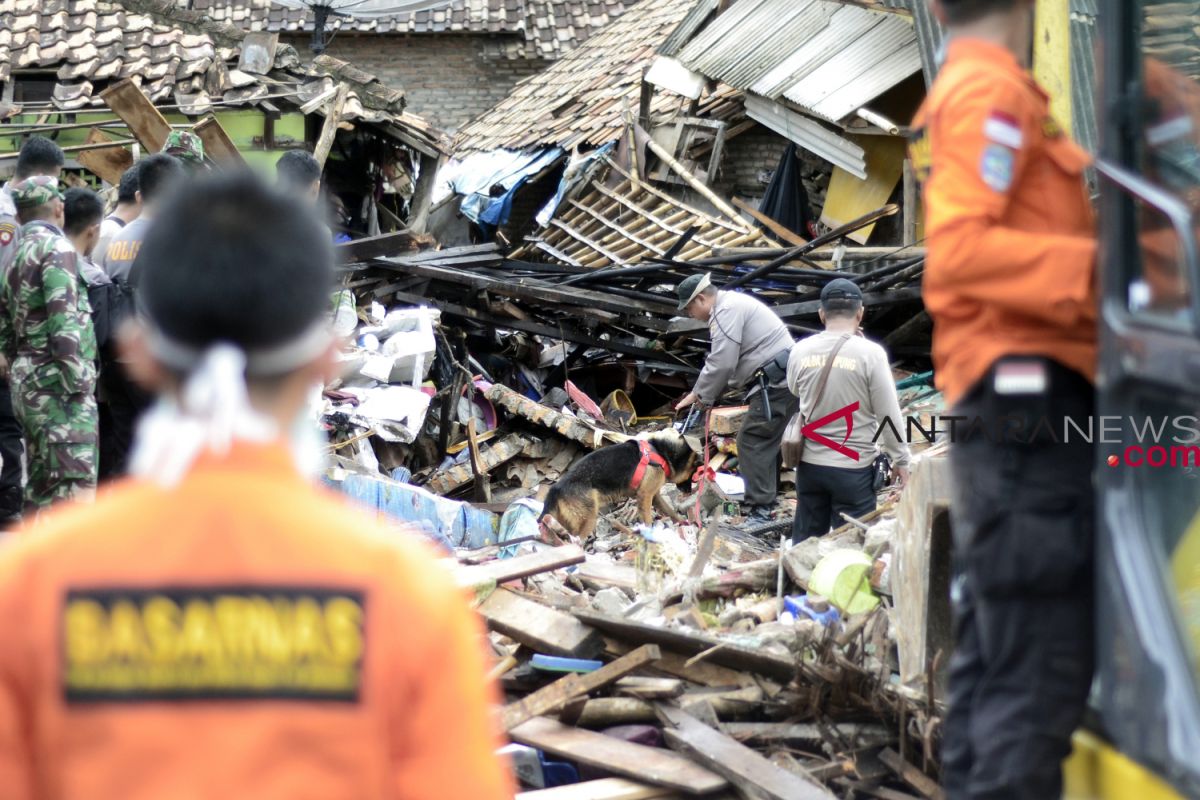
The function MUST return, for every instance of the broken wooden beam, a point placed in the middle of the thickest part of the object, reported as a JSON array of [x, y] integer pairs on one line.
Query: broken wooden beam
[[603, 789], [728, 654], [129, 102], [554, 696], [217, 144], [911, 775], [749, 772], [649, 764], [543, 629], [333, 116], [510, 569], [108, 162]]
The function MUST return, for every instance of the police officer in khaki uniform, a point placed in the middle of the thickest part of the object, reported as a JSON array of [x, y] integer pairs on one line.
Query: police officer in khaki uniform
[[750, 348]]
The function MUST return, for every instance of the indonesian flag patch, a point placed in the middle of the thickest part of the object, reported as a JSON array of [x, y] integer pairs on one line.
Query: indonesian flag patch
[[1004, 129]]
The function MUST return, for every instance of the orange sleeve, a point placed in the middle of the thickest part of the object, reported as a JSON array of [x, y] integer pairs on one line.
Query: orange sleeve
[[972, 254], [16, 760], [445, 730]]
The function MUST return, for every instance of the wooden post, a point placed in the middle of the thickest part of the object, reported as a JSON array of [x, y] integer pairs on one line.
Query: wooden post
[[333, 115], [135, 109], [910, 204], [483, 483], [217, 144], [422, 199]]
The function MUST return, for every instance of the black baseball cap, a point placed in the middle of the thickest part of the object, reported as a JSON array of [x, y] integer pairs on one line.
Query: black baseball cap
[[841, 289]]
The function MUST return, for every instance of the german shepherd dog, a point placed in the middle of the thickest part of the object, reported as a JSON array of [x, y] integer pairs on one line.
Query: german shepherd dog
[[607, 476]]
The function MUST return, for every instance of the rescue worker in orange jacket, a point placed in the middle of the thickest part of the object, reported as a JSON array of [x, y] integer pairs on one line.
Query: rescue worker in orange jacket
[[216, 626], [1010, 285]]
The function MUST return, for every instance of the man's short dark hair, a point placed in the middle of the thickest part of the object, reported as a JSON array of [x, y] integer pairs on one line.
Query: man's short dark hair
[[233, 260], [297, 169], [128, 187], [838, 308], [38, 156], [959, 12], [157, 174], [81, 208]]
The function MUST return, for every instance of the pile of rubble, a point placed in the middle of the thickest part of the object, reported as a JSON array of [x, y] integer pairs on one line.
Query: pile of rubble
[[763, 675]]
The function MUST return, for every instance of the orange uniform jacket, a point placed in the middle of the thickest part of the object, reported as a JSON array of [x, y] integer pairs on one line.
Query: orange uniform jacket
[[243, 634], [1009, 229]]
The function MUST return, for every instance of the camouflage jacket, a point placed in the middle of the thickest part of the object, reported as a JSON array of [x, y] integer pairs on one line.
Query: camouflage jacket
[[46, 325]]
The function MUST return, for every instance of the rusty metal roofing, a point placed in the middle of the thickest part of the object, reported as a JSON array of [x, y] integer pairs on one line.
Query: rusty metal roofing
[[827, 57], [543, 28]]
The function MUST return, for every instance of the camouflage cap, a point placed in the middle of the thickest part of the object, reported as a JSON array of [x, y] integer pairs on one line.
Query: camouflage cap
[[185, 146], [36, 191]]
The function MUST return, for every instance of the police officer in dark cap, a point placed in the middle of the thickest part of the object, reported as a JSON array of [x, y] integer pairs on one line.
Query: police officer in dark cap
[[750, 346]]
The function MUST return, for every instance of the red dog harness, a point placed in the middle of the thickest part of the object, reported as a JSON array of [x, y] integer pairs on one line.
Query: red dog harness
[[649, 456]]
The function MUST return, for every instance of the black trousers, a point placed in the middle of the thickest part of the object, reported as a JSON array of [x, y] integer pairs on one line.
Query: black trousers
[[824, 493], [122, 404], [758, 445], [11, 450], [1023, 519]]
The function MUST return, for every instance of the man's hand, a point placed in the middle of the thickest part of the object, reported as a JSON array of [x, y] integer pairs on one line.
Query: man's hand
[[687, 401], [3, 368], [899, 477]]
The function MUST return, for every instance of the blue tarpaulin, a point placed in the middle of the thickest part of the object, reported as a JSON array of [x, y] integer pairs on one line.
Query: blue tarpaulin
[[450, 523]]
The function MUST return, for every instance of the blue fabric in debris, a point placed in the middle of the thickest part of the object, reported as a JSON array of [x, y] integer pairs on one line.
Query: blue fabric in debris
[[478, 173], [449, 523]]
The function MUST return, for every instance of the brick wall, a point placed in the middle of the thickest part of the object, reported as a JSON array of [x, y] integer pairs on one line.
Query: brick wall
[[446, 78], [750, 160]]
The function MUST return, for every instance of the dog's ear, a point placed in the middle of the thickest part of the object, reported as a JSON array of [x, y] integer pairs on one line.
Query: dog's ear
[[695, 444]]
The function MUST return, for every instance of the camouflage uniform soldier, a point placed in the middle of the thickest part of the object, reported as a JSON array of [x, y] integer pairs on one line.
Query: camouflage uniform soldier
[[187, 147], [48, 331]]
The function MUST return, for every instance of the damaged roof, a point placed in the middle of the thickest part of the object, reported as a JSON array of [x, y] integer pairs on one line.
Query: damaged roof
[[178, 57], [826, 57], [548, 28], [579, 98]]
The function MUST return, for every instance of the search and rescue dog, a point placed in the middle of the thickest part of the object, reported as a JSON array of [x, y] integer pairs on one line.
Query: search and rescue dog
[[638, 467]]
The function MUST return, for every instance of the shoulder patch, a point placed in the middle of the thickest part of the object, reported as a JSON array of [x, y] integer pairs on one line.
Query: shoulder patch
[[996, 167], [1051, 129], [8, 232], [1003, 128], [229, 643]]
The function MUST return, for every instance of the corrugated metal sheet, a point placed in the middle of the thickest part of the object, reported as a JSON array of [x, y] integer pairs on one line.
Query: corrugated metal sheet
[[1083, 73], [692, 23], [827, 57], [809, 134], [929, 37]]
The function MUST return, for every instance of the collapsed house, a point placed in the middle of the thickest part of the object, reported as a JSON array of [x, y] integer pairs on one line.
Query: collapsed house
[[101, 77]]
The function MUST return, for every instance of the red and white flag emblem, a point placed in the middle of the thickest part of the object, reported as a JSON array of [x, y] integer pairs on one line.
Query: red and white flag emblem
[[1004, 129]]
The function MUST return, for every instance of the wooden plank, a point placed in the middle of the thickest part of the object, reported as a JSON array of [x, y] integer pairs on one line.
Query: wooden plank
[[603, 789], [650, 764], [479, 470], [510, 569], [606, 573], [729, 654], [620, 231], [543, 629], [554, 696], [110, 162], [774, 227], [458, 475], [217, 144], [848, 197], [333, 116], [129, 103], [911, 775], [748, 771], [704, 673]]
